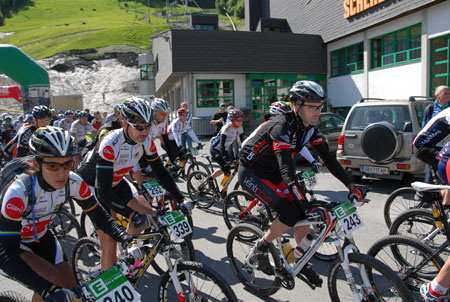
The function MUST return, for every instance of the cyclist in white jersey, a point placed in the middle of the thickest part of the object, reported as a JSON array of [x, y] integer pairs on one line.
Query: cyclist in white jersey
[[180, 126], [29, 252]]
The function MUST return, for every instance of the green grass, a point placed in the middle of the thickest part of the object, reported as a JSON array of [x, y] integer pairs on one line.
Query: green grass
[[51, 26]]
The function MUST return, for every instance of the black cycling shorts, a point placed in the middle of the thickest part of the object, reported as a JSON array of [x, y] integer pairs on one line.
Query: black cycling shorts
[[47, 247], [275, 194], [218, 158], [124, 189]]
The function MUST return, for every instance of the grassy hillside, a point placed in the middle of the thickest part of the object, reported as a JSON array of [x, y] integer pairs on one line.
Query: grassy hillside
[[46, 27]]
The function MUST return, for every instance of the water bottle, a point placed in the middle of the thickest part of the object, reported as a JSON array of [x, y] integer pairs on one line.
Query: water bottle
[[303, 246], [288, 250], [437, 219], [181, 163], [138, 253], [225, 179]]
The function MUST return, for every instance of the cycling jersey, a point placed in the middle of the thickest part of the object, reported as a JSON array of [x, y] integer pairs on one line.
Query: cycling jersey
[[18, 146], [229, 133], [158, 129], [79, 131], [65, 124], [116, 155], [435, 131], [177, 128]]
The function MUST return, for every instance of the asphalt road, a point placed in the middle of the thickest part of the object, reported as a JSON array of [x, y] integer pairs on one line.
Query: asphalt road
[[211, 232]]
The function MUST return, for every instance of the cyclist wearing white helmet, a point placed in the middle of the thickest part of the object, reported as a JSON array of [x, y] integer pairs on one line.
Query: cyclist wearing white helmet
[[267, 171], [29, 252], [114, 156]]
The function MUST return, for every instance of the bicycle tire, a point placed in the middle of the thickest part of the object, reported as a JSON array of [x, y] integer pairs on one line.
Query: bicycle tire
[[12, 296], [85, 260], [236, 202], [417, 223], [63, 226], [399, 201], [249, 277], [187, 248], [203, 198], [402, 254], [206, 276], [198, 166], [390, 285], [71, 206]]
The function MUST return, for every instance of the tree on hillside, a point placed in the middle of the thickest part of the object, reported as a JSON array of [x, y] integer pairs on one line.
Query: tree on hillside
[[8, 7], [233, 7]]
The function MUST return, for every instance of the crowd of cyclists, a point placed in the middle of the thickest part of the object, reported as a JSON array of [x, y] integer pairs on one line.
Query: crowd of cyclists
[[90, 157]]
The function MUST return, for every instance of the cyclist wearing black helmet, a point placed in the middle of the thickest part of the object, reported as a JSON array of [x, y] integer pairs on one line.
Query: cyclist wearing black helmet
[[112, 159], [29, 252], [267, 171], [18, 146]]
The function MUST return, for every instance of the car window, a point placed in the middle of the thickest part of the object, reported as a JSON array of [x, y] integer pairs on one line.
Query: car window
[[420, 109], [361, 117]]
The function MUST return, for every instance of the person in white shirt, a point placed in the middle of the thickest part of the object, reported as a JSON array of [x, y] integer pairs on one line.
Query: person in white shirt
[[177, 128]]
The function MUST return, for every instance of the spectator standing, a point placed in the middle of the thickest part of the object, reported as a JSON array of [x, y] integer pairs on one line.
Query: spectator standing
[[97, 122], [219, 118]]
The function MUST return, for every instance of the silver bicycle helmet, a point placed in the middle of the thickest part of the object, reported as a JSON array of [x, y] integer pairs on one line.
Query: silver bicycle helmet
[[307, 91], [51, 142], [135, 110], [160, 105]]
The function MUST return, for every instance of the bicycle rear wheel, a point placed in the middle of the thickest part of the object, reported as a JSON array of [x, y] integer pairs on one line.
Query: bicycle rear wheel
[[67, 229], [198, 166], [238, 250], [200, 283], [405, 255], [199, 190], [12, 296], [399, 201], [374, 281], [417, 223], [86, 259]]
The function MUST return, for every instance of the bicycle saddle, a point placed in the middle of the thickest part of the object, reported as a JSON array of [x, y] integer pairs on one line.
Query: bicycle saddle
[[424, 187]]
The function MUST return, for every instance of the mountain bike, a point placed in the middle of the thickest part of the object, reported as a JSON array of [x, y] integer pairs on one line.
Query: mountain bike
[[185, 165], [417, 261], [66, 228], [190, 280], [206, 193], [354, 277]]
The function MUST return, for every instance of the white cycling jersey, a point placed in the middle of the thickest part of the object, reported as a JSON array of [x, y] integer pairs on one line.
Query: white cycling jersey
[[158, 129], [47, 204], [232, 133], [116, 149], [177, 128], [79, 131]]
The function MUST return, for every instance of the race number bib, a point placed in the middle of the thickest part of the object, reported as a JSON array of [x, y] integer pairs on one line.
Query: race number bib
[[154, 188], [177, 224], [348, 217], [112, 286], [309, 177], [194, 151]]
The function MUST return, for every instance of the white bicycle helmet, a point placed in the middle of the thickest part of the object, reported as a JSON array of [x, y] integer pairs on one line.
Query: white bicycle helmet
[[160, 105], [51, 142], [280, 107], [135, 110]]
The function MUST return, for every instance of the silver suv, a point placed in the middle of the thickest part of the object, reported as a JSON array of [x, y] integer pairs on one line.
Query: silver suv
[[377, 136]]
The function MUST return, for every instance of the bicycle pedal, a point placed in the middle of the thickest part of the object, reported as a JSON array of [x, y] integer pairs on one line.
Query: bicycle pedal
[[287, 281], [312, 286]]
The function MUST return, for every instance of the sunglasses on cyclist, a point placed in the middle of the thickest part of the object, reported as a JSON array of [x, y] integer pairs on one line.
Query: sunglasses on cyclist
[[141, 127], [54, 166], [315, 108]]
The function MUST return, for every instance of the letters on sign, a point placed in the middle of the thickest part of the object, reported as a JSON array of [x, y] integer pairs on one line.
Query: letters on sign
[[353, 7]]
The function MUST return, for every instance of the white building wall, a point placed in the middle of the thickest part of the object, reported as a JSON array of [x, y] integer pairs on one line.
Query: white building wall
[[345, 90], [398, 82], [239, 91], [439, 19]]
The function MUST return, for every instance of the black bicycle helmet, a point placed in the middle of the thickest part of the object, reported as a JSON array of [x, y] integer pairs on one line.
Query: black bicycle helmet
[[307, 91], [51, 142], [135, 111], [41, 112]]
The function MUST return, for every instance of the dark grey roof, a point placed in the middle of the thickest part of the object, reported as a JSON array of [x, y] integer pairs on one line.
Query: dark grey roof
[[326, 18], [237, 51]]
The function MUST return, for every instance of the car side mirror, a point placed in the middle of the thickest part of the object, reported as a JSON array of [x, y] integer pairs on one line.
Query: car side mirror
[[407, 126]]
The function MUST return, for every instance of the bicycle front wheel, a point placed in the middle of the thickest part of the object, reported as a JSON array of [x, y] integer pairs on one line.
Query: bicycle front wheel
[[199, 190], [398, 202], [86, 259], [410, 258], [249, 274], [198, 166], [67, 229], [373, 281], [178, 249], [199, 283]]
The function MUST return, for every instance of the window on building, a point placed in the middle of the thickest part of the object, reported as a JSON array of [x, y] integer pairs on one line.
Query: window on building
[[347, 60], [399, 47], [147, 71], [210, 93], [204, 27], [439, 62]]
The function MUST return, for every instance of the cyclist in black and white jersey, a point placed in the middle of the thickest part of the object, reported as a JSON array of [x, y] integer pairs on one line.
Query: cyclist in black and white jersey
[[18, 146], [267, 171], [112, 159], [29, 252]]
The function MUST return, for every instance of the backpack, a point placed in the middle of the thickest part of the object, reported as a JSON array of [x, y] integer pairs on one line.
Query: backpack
[[18, 168]]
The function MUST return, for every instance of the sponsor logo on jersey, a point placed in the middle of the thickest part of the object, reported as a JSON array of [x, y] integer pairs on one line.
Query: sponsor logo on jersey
[[108, 153], [14, 208], [281, 145], [152, 147], [255, 189], [85, 191], [316, 141]]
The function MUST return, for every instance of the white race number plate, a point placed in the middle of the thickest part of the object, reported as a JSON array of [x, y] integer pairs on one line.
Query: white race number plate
[[178, 224], [154, 188], [348, 217]]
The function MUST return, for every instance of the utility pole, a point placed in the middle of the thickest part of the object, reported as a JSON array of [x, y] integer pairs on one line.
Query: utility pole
[[231, 20]]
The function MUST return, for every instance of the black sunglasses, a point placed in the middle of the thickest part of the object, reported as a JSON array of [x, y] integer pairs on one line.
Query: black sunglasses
[[141, 127]]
